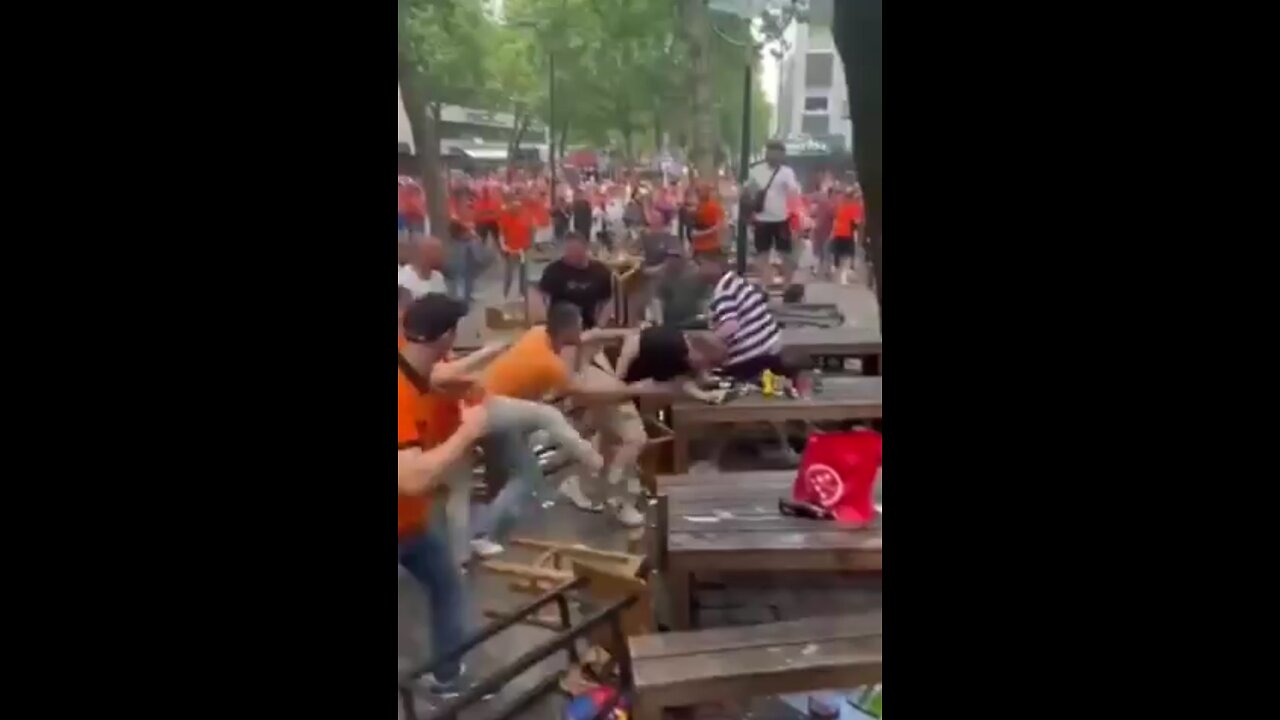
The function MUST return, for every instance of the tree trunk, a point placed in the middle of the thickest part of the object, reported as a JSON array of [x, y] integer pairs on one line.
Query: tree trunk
[[857, 28], [518, 129], [697, 28], [426, 141]]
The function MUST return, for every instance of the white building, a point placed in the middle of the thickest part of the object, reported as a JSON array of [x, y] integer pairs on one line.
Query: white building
[[813, 99]]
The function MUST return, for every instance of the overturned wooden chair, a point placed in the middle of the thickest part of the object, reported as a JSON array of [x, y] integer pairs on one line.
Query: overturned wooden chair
[[554, 566]]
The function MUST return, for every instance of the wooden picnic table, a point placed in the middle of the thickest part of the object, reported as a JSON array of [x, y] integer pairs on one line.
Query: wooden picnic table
[[842, 398], [837, 342], [729, 522]]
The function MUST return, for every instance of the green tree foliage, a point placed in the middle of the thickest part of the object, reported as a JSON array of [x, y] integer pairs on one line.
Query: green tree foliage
[[440, 50], [622, 70]]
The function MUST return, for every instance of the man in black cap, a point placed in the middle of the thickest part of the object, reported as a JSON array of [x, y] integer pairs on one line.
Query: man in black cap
[[429, 327], [427, 454]]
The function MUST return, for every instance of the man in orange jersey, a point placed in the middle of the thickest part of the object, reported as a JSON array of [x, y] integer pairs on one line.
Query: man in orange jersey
[[848, 217], [516, 239], [423, 539], [708, 222], [532, 368]]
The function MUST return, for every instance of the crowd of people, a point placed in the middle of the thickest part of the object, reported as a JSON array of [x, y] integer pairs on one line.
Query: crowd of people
[[496, 218], [556, 382]]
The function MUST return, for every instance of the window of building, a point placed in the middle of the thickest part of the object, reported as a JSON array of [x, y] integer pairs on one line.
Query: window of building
[[815, 104], [815, 125], [820, 37], [817, 69]]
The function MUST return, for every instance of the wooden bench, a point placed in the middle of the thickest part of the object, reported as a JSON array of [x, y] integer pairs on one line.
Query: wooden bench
[[842, 398], [729, 522], [685, 668]]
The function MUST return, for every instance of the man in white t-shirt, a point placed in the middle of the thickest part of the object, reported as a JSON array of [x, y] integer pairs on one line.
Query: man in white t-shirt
[[769, 184], [423, 274]]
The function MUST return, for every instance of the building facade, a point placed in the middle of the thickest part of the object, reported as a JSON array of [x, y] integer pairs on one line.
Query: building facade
[[813, 100]]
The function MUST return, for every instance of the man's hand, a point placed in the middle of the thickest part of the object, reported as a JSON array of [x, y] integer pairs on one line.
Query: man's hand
[[711, 397], [714, 397]]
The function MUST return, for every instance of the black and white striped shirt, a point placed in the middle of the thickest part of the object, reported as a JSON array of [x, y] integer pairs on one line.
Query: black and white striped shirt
[[757, 333]]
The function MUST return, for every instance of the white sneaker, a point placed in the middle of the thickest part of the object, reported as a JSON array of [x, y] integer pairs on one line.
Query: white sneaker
[[626, 513], [572, 489], [486, 548]]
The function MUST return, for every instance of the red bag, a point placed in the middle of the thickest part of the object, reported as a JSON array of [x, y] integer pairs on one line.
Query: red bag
[[838, 472]]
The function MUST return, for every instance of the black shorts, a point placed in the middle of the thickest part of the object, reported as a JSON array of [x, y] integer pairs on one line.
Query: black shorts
[[751, 370], [770, 235], [842, 247]]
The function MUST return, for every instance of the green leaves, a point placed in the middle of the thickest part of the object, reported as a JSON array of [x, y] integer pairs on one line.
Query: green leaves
[[445, 41], [622, 66]]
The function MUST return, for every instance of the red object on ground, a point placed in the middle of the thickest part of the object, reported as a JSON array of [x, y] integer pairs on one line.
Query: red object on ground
[[838, 472]]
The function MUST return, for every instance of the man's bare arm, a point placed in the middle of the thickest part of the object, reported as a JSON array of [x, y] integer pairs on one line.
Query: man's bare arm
[[420, 471], [586, 395], [627, 355], [600, 311], [448, 375], [690, 388]]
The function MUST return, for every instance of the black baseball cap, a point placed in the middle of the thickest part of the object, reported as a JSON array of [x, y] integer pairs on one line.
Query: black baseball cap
[[431, 316]]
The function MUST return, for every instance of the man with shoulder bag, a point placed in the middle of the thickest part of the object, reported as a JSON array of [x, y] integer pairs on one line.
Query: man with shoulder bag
[[769, 184]]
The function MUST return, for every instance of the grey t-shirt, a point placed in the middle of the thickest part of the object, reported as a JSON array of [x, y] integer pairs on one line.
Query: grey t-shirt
[[656, 244], [683, 295]]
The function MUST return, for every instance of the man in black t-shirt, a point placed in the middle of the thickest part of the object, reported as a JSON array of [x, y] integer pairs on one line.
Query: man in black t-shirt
[[666, 355], [577, 279]]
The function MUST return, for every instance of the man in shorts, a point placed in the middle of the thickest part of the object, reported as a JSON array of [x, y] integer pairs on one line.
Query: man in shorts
[[654, 361], [769, 185]]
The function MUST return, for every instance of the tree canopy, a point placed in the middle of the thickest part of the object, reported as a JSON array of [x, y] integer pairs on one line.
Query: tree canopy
[[622, 70]]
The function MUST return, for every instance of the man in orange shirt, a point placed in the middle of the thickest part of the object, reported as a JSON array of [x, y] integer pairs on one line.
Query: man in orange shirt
[[534, 367], [847, 218], [423, 538], [517, 237], [708, 222]]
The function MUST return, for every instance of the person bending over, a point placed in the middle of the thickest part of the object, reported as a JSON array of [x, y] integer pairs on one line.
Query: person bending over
[[741, 318]]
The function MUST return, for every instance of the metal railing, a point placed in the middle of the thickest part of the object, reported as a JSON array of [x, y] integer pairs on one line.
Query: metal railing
[[565, 640]]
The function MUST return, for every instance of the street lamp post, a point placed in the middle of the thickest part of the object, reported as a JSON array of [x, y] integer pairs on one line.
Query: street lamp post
[[744, 157], [551, 122]]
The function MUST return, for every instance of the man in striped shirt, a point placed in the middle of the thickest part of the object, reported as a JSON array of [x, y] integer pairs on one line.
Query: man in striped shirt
[[741, 317]]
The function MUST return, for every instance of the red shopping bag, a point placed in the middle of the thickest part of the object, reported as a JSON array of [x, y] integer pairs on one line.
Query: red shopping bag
[[838, 472]]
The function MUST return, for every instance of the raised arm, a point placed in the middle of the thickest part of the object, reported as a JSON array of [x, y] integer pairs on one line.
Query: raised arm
[[447, 375]]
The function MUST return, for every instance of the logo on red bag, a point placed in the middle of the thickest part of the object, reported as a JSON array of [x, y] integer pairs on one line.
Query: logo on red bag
[[825, 483]]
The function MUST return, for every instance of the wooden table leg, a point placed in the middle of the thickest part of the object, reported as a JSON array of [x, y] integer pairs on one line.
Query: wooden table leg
[[680, 452], [680, 592]]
